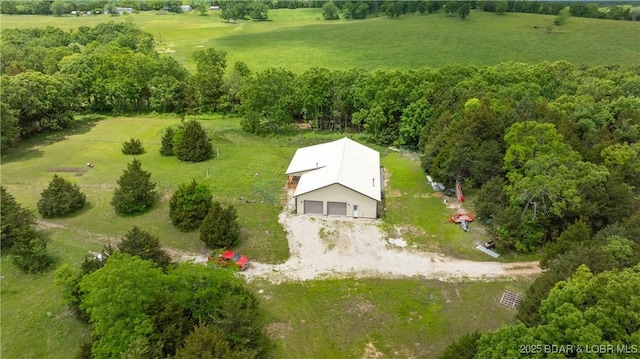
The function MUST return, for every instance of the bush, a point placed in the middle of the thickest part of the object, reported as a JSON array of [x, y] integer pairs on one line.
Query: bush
[[191, 143], [60, 199], [132, 147], [189, 206], [135, 193], [220, 228]]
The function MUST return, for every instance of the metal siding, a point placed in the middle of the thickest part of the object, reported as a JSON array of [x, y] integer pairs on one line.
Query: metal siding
[[337, 208], [314, 207]]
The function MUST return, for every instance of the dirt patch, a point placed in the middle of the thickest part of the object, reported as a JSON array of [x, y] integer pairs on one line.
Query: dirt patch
[[278, 330], [370, 352], [69, 169], [42, 225], [393, 194]]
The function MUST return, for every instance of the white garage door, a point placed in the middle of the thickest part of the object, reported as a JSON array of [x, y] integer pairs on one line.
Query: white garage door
[[337, 208], [314, 207]]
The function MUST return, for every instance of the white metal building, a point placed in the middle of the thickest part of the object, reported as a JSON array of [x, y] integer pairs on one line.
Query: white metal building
[[341, 178]]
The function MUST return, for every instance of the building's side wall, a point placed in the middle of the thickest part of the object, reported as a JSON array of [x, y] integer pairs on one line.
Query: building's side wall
[[337, 193]]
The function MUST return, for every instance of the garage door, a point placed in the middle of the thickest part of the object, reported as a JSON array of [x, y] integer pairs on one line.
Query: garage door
[[314, 207], [337, 208]]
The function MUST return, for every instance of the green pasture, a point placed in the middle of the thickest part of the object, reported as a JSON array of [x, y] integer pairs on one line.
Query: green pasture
[[296, 40]]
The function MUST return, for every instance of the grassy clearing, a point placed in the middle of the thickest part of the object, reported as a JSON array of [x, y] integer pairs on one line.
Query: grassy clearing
[[295, 40], [248, 168], [401, 318], [335, 318]]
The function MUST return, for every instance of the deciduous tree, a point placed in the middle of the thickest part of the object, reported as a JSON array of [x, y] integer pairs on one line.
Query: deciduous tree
[[330, 11], [117, 298], [585, 310]]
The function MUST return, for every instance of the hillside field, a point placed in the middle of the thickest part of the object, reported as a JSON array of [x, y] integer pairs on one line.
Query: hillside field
[[297, 40]]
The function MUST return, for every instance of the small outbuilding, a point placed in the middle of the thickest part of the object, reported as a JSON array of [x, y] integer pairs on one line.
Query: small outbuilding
[[341, 178]]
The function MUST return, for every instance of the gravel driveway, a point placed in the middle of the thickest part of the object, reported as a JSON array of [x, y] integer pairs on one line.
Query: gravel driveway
[[336, 247]]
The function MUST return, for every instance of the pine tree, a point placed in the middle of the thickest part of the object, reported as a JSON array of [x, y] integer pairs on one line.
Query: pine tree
[[220, 228], [189, 205], [193, 144], [133, 147], [144, 245], [167, 142], [60, 199], [135, 192]]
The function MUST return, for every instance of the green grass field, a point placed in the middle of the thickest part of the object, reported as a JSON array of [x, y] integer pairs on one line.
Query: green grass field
[[251, 168], [295, 40]]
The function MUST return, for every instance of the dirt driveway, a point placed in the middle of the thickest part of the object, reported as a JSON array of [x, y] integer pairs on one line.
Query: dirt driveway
[[337, 247]]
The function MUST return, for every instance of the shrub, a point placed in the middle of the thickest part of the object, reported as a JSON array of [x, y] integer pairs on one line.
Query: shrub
[[132, 147], [135, 192], [60, 199], [192, 144], [189, 206], [220, 228]]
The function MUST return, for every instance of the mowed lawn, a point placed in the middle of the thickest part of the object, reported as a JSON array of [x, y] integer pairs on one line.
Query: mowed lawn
[[298, 39], [248, 174]]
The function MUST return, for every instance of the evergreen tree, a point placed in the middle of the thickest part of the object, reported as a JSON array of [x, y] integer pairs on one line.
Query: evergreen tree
[[189, 205], [135, 192], [167, 142], [133, 147], [144, 245], [60, 199], [220, 228], [15, 221], [27, 247], [193, 144]]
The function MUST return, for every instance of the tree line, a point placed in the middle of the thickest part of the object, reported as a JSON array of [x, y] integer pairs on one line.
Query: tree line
[[257, 9]]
